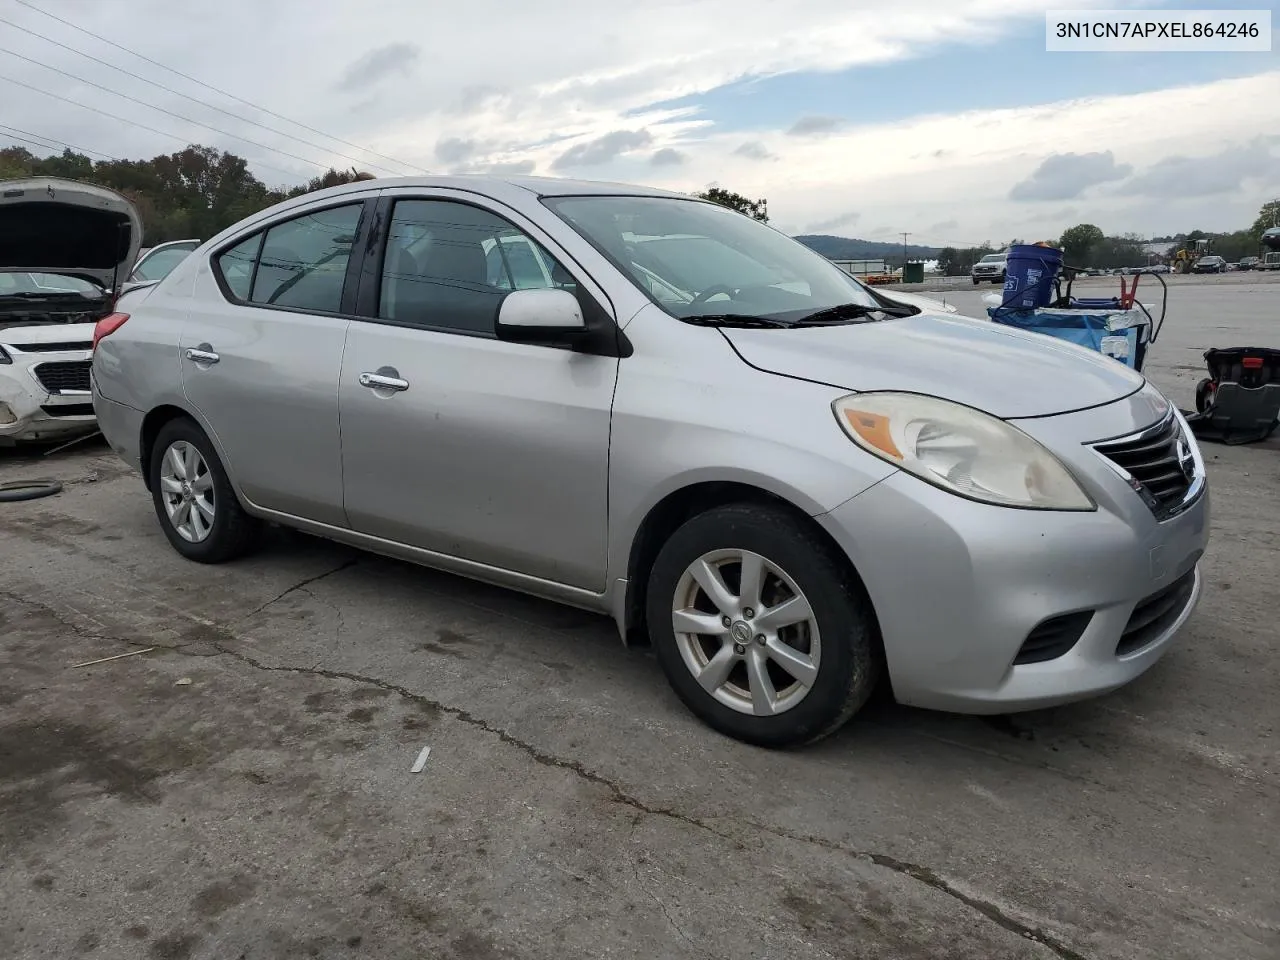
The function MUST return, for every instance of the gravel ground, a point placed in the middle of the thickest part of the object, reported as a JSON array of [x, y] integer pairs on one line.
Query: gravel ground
[[243, 789]]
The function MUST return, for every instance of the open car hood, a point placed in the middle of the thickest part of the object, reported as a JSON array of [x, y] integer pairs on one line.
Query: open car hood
[[51, 225]]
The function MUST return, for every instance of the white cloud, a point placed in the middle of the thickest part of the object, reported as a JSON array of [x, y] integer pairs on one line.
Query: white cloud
[[487, 70], [1065, 176], [594, 153], [668, 157], [811, 126], [496, 86], [897, 182], [754, 150], [1222, 172], [378, 64], [832, 223]]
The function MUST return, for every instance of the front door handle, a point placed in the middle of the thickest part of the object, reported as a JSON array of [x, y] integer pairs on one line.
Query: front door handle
[[202, 356], [380, 381]]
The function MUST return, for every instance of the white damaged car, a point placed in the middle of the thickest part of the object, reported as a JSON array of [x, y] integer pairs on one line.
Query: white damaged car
[[65, 249]]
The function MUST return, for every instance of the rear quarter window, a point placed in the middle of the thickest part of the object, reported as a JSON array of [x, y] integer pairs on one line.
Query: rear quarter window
[[236, 266]]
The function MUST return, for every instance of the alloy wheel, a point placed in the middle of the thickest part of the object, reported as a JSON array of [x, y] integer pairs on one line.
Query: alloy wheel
[[186, 487], [746, 632]]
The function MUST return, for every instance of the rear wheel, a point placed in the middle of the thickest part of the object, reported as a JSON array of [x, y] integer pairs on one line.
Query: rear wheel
[[760, 627], [198, 510]]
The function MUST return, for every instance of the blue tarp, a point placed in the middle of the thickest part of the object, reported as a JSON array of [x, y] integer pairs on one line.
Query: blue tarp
[[1120, 334]]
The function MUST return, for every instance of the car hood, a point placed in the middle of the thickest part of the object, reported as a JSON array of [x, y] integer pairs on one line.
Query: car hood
[[1006, 372], [50, 225], [927, 304]]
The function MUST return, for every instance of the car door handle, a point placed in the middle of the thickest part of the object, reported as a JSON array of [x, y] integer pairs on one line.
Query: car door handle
[[378, 381], [202, 356]]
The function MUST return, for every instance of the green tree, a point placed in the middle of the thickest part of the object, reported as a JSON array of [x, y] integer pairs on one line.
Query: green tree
[[756, 209], [330, 178], [946, 259], [194, 193], [1268, 217], [1079, 241]]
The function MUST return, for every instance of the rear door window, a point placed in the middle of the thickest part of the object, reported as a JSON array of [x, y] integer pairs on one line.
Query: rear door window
[[303, 262]]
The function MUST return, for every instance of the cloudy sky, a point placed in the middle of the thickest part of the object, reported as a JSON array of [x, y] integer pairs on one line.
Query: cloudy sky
[[944, 118]]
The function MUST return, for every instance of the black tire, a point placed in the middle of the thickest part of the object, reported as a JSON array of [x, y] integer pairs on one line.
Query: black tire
[[233, 532], [16, 491], [850, 661], [1204, 395], [976, 281]]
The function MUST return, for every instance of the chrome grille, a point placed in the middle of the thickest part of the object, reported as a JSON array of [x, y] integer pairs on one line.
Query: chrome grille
[[1158, 464]]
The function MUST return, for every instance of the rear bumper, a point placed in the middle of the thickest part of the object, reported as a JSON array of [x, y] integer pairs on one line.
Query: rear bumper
[[121, 425]]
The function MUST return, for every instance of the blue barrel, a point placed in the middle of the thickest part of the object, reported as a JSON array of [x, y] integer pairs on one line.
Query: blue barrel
[[1030, 272]]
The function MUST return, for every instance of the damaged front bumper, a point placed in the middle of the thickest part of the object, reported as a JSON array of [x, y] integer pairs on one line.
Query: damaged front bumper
[[45, 388]]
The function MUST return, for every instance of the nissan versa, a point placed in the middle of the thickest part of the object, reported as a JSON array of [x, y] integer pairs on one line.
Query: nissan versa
[[654, 407]]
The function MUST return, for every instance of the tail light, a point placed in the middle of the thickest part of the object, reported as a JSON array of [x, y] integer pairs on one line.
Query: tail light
[[1251, 363], [107, 326]]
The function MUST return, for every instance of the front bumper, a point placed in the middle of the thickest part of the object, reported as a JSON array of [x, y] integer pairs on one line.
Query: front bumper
[[29, 410], [959, 587]]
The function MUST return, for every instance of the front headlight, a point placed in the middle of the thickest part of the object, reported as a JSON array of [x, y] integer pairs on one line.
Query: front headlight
[[961, 450]]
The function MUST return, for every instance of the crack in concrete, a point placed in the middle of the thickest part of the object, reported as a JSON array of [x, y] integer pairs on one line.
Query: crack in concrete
[[917, 872], [671, 921], [300, 585], [78, 629]]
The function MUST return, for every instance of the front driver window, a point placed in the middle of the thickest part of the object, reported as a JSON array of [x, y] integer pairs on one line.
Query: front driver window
[[448, 265]]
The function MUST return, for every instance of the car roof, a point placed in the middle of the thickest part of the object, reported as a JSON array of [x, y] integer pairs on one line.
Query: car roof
[[479, 182]]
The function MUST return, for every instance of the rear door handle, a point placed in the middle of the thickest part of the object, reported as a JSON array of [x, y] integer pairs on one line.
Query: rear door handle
[[202, 356], [379, 381]]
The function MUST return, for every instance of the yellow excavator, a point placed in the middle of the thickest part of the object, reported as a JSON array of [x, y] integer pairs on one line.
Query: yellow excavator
[[1185, 258]]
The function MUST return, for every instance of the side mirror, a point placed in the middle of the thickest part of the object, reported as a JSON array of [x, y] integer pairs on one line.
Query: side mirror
[[540, 316]]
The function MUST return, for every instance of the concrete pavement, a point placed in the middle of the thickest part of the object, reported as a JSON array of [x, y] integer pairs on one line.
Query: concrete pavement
[[570, 806]]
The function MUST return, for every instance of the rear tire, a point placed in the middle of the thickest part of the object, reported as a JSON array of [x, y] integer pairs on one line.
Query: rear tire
[[194, 501], [799, 654]]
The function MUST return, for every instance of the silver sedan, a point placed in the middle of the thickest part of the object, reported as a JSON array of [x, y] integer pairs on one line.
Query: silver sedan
[[650, 406]]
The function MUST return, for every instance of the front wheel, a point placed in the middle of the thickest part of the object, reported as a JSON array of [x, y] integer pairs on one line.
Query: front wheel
[[760, 627], [198, 509]]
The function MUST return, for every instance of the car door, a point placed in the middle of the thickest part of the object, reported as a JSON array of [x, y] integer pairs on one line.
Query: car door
[[261, 354], [457, 442]]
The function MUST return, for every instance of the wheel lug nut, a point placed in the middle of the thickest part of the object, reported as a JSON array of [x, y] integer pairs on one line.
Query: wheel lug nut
[[726, 621], [748, 613], [760, 639], [739, 649]]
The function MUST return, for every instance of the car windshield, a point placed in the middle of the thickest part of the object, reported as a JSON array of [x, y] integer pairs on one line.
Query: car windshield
[[695, 259], [992, 258], [50, 283], [157, 264]]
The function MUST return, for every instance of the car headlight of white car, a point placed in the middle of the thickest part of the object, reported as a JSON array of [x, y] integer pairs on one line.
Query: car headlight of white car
[[960, 449]]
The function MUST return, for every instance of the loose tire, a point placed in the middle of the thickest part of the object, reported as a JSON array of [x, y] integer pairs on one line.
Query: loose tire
[[198, 510], [1205, 390], [782, 659]]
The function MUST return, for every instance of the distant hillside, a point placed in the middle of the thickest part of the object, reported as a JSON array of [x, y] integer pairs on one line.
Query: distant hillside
[[846, 248]]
